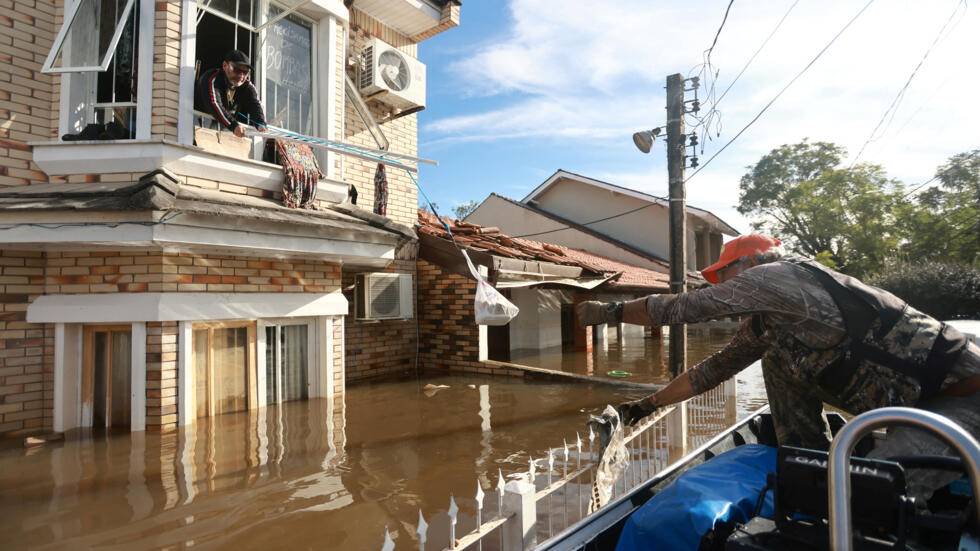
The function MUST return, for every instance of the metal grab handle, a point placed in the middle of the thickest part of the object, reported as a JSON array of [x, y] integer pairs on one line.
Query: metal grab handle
[[839, 502]]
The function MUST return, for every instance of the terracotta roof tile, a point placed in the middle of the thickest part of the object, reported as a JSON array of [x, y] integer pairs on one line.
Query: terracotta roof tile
[[491, 240]]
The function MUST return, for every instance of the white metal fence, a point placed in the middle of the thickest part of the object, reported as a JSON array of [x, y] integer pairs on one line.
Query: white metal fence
[[555, 491]]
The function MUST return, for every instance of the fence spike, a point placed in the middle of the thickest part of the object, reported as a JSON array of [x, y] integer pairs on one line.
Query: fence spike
[[479, 512], [422, 530], [389, 544], [453, 511], [479, 495], [551, 459]]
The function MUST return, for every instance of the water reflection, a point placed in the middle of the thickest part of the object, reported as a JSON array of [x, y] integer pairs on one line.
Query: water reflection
[[301, 475]]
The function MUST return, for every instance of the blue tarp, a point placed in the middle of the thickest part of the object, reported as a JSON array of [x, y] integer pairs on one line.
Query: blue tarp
[[726, 488]]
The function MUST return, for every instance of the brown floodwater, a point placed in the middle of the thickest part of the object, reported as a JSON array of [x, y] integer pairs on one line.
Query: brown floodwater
[[316, 474]]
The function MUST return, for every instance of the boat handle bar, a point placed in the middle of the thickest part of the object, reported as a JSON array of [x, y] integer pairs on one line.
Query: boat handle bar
[[843, 445]]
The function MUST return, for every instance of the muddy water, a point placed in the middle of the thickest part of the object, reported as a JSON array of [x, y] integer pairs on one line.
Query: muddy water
[[307, 475]]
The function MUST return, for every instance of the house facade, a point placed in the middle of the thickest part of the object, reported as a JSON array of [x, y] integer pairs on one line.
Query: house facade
[[561, 210], [544, 280], [149, 274]]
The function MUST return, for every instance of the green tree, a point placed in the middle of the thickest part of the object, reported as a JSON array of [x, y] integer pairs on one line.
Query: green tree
[[464, 210], [944, 221], [847, 217]]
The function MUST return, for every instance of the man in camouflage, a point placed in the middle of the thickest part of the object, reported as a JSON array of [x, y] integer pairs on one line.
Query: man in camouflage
[[823, 337]]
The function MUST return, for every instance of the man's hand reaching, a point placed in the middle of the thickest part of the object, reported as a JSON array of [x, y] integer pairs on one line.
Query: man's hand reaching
[[592, 312], [632, 412], [240, 131]]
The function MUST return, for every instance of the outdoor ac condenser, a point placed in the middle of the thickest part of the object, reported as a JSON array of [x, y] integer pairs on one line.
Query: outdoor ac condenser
[[387, 69], [383, 296]]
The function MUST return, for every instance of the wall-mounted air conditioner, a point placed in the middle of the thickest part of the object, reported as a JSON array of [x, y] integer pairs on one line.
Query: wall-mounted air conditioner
[[383, 296], [387, 69]]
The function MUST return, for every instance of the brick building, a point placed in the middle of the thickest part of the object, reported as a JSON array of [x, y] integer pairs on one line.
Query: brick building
[[146, 281]]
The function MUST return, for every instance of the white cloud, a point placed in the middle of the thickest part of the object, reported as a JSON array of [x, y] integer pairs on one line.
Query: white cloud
[[585, 76]]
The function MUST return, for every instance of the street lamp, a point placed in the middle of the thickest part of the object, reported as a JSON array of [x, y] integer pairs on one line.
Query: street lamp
[[644, 139]]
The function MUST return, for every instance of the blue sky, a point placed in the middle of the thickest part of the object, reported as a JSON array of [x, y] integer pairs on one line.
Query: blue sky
[[524, 87]]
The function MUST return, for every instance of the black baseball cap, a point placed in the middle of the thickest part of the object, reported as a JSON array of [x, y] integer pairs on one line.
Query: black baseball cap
[[239, 57]]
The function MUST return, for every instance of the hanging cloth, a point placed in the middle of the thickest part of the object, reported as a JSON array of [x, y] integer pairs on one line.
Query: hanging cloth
[[381, 191], [301, 173]]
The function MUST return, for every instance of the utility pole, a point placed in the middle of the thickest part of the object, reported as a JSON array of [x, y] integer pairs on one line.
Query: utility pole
[[676, 142]]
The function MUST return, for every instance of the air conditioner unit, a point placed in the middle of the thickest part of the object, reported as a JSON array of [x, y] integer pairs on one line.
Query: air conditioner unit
[[383, 296], [386, 69]]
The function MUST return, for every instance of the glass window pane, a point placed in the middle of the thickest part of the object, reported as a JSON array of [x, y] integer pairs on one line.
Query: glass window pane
[[271, 355], [89, 35], [288, 72], [295, 356], [121, 373], [230, 369], [201, 371], [100, 371]]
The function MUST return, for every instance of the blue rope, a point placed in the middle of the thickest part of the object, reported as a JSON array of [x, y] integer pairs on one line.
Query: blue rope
[[362, 152]]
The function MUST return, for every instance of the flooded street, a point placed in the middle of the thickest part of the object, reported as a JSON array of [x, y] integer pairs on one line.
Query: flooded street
[[313, 475]]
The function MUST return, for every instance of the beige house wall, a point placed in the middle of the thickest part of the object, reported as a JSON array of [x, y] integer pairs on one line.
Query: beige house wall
[[516, 220]]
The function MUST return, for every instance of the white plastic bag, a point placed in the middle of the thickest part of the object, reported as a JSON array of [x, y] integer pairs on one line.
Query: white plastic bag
[[490, 306]]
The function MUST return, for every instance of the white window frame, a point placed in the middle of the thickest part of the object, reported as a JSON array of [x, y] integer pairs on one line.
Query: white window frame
[[63, 34], [313, 337], [144, 84], [328, 20], [68, 351], [315, 86]]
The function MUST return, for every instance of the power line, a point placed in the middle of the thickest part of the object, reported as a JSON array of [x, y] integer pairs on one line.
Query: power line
[[720, 27], [773, 100], [920, 186], [893, 108], [751, 59]]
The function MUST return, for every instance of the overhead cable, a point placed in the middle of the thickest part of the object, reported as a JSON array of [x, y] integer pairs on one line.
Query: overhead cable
[[893, 108], [773, 100], [790, 83]]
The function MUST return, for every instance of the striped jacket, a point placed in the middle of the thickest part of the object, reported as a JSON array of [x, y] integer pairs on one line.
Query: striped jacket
[[212, 98]]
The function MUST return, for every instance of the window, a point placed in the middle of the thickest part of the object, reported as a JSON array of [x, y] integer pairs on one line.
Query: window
[[287, 363], [284, 70], [98, 43], [106, 377], [223, 363], [288, 50]]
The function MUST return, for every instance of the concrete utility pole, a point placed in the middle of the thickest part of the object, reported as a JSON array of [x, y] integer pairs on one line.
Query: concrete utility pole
[[676, 141]]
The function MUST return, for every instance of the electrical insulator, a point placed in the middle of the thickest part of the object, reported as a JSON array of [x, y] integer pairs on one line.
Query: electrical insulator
[[694, 162], [694, 139], [696, 106], [696, 81]]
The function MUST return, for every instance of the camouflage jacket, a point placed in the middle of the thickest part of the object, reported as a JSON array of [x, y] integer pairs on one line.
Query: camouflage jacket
[[797, 326]]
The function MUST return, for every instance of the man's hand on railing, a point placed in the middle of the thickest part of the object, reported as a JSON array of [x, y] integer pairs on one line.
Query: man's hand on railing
[[632, 412], [240, 130]]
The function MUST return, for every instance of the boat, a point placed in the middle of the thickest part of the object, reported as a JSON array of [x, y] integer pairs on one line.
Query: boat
[[791, 498]]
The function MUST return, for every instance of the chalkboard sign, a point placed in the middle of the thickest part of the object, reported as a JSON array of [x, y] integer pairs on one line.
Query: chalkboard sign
[[287, 55]]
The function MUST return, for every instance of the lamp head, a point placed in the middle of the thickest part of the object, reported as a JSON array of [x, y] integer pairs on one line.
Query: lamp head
[[645, 138]]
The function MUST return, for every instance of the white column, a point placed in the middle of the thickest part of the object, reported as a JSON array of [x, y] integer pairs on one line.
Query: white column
[[67, 376], [519, 531], [186, 409], [137, 380], [144, 77], [188, 53]]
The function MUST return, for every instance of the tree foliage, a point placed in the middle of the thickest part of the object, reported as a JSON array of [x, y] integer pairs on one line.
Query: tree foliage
[[942, 290], [463, 210], [844, 216], [944, 221]]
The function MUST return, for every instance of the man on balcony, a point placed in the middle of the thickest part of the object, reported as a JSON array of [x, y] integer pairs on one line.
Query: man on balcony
[[228, 95]]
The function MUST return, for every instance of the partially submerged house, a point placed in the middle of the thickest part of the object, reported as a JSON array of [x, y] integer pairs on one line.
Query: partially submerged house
[[149, 274], [610, 220], [545, 281]]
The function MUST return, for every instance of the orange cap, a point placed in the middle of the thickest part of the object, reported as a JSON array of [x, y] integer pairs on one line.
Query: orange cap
[[743, 245]]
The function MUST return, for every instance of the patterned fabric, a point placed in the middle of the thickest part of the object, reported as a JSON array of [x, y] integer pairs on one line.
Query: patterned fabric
[[381, 191], [302, 172]]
